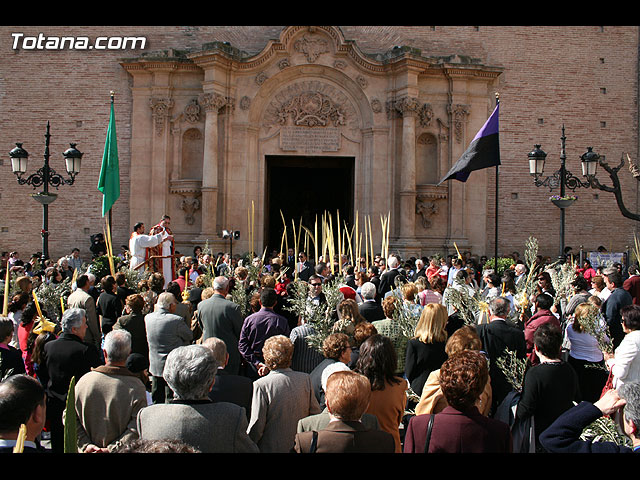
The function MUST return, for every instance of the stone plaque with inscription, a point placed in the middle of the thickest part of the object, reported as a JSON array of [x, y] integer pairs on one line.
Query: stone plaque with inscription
[[305, 139]]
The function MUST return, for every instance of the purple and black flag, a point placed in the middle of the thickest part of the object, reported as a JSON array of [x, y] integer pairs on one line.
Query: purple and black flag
[[482, 152]]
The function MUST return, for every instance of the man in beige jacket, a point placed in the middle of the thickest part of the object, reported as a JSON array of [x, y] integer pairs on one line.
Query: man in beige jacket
[[109, 398]]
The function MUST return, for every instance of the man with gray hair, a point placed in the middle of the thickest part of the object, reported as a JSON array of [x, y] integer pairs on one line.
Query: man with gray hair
[[191, 417], [387, 279], [563, 436], [498, 336], [370, 309], [222, 319], [611, 306], [63, 358], [165, 332], [109, 398]]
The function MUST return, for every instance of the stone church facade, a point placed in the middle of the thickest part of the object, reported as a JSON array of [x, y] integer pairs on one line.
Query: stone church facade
[[275, 120]]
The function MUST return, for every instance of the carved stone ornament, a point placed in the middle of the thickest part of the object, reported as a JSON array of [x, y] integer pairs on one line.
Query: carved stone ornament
[[189, 190], [160, 111], [192, 111], [362, 81], [312, 109], [212, 102], [403, 106], [310, 103], [459, 115], [284, 63], [376, 105], [311, 47], [425, 114], [261, 78], [341, 64], [426, 207], [190, 205], [245, 103]]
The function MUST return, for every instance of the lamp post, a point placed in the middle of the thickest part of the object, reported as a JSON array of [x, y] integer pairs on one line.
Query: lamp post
[[45, 177], [563, 178]]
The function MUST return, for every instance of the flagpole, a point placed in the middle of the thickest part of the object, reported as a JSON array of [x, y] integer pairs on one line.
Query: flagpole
[[496, 223], [112, 93]]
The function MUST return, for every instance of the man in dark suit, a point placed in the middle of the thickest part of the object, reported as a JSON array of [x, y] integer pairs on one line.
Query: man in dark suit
[[347, 397], [387, 279], [611, 306], [370, 309], [304, 267], [222, 318], [22, 402], [66, 357], [420, 270], [227, 387], [498, 336], [632, 284]]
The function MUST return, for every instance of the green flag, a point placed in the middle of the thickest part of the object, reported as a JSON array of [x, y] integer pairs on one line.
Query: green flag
[[109, 182]]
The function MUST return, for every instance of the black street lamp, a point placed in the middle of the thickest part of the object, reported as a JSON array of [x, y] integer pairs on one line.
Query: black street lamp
[[563, 179], [44, 177]]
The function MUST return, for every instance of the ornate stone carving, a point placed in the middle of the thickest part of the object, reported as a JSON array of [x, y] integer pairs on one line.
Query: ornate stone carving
[[189, 190], [284, 63], [459, 115], [310, 103], [362, 81], [261, 78], [190, 205], [376, 105], [311, 109], [212, 102], [426, 207], [245, 103], [403, 106], [425, 114], [341, 64], [311, 47], [192, 111], [160, 111]]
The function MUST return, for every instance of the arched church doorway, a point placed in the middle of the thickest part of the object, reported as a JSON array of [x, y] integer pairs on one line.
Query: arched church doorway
[[303, 187]]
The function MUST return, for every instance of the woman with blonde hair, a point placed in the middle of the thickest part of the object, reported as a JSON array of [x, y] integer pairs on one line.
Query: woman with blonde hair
[[426, 350], [432, 399]]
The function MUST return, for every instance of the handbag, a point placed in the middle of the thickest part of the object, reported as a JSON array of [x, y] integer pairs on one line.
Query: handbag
[[429, 428], [608, 385]]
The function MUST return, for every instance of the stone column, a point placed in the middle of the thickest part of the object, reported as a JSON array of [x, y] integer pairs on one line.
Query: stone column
[[408, 107], [211, 102]]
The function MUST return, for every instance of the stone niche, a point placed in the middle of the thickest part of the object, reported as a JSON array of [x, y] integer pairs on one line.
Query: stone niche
[[217, 115]]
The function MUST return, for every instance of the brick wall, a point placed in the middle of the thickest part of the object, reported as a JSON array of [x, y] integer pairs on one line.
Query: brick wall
[[553, 75]]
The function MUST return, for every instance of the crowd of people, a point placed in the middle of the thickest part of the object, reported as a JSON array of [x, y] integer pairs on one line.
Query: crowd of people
[[218, 358]]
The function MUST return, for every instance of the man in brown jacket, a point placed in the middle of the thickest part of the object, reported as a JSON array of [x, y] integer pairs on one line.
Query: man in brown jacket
[[108, 399]]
